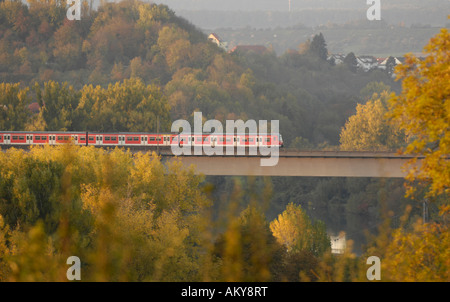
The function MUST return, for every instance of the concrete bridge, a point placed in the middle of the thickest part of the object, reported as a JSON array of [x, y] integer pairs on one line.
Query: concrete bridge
[[303, 163]]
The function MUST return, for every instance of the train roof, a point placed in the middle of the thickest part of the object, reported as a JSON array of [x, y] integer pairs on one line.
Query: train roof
[[140, 133]]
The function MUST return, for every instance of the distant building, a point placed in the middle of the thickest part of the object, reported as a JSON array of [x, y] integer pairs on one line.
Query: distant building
[[367, 63], [336, 58], [398, 60], [259, 49], [338, 243], [218, 41]]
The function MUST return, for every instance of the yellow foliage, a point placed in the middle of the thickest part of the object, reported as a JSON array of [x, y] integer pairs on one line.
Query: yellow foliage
[[420, 255], [369, 130], [423, 111]]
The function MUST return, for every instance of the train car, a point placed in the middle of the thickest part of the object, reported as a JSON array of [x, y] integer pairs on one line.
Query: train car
[[237, 140], [22, 138], [158, 140]]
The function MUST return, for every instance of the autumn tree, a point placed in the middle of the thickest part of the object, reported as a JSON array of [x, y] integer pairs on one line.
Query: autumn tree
[[422, 110], [369, 130], [294, 229], [57, 102], [14, 103]]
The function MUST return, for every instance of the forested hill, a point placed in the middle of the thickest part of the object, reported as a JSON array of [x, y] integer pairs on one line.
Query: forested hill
[[174, 70]]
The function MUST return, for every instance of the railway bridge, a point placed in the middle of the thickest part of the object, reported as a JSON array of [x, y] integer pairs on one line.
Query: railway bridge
[[301, 163]]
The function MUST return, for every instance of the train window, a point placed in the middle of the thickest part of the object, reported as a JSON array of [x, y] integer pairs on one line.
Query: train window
[[14, 137], [107, 138], [174, 139], [268, 140], [91, 138], [113, 138], [228, 139], [129, 139], [59, 138], [250, 139], [66, 138], [21, 137], [159, 139], [82, 138], [136, 139], [152, 139], [38, 138], [199, 139]]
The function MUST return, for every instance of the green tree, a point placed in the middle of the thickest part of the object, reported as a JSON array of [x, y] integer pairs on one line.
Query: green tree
[[318, 47], [390, 65], [351, 62]]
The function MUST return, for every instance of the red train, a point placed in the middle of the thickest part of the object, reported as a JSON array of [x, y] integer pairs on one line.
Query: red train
[[25, 138]]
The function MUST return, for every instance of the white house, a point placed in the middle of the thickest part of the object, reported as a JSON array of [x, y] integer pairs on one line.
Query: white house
[[367, 63], [218, 41], [338, 243]]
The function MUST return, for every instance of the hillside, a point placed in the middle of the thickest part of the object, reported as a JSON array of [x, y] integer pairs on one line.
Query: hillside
[[149, 42]]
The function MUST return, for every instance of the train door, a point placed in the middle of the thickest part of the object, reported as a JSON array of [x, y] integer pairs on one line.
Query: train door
[[7, 138], [121, 140], [166, 140], [51, 139], [29, 139], [99, 140], [143, 140]]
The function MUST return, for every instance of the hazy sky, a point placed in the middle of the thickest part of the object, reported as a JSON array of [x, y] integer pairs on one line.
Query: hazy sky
[[283, 5]]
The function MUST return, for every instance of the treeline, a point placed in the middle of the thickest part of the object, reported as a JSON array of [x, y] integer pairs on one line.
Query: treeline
[[125, 106]]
